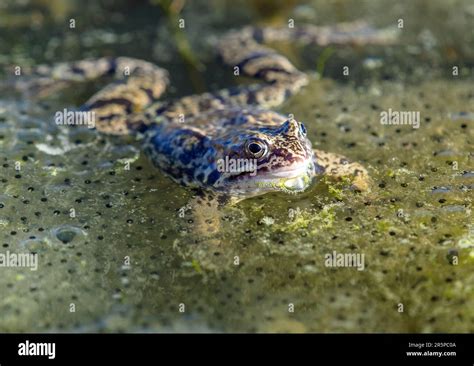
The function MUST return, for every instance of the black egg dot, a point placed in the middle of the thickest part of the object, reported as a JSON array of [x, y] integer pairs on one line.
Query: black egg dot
[[349, 218]]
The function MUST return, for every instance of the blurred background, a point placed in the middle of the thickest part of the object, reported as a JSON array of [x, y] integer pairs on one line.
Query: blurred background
[[436, 34]]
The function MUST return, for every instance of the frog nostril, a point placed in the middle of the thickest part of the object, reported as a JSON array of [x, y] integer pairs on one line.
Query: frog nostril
[[289, 127]]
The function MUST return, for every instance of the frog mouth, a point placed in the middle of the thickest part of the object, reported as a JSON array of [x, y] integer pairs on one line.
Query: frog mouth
[[290, 181], [292, 184], [296, 184]]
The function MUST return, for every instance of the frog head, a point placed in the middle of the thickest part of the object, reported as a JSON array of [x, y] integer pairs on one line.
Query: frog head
[[256, 160]]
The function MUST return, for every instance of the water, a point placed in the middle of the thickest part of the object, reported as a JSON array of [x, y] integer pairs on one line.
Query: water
[[114, 253]]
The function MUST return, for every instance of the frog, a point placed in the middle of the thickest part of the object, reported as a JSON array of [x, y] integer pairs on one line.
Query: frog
[[192, 138]]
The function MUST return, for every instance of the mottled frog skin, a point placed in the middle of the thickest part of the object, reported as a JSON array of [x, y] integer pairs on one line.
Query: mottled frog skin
[[187, 137], [282, 151]]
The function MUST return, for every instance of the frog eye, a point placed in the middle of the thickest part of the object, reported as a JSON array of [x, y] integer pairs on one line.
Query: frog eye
[[303, 129], [256, 149]]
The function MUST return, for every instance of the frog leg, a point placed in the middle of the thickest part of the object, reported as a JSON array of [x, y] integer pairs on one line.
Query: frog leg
[[206, 209], [337, 168], [206, 242], [137, 84], [244, 50]]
